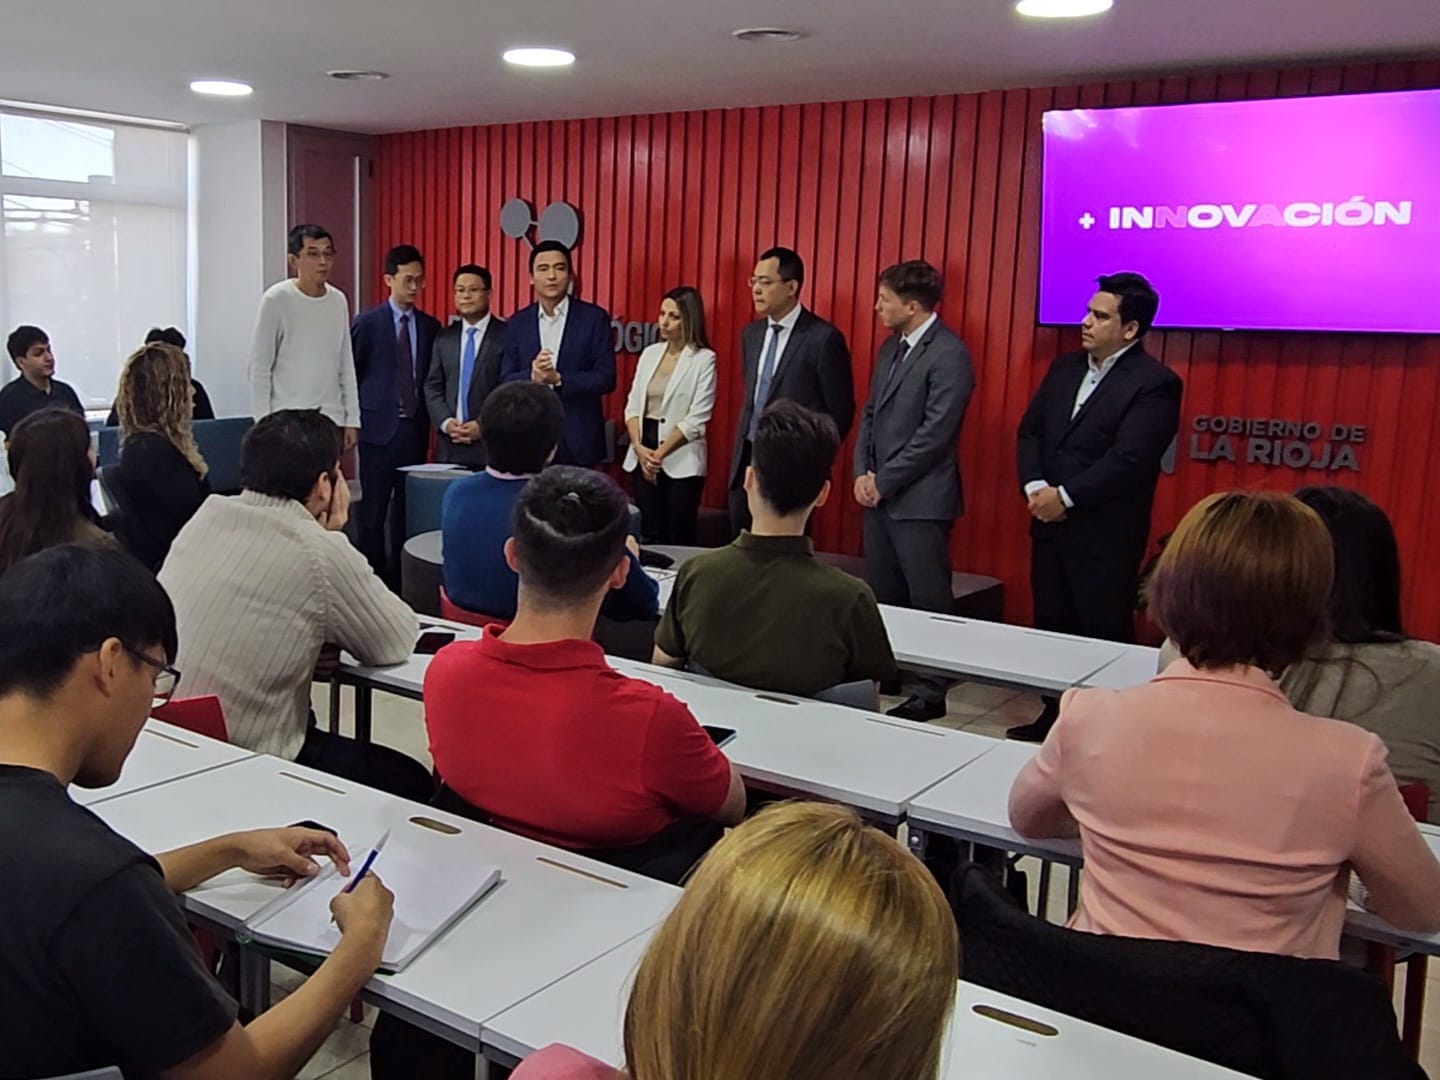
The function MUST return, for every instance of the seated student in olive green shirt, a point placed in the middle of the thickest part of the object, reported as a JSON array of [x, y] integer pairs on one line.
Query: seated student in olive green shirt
[[763, 612]]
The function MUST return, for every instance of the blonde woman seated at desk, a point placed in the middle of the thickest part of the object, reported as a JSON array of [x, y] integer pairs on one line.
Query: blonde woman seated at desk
[[1209, 809], [807, 946]]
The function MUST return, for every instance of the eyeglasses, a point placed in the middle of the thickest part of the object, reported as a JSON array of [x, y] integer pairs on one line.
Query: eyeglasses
[[765, 282], [166, 677]]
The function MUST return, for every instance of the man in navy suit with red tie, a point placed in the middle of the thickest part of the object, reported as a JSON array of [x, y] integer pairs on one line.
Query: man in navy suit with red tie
[[392, 344]]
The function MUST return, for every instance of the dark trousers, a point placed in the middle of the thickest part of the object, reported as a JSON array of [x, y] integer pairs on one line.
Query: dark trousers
[[379, 767], [380, 484], [739, 501], [670, 507], [1085, 589], [908, 565]]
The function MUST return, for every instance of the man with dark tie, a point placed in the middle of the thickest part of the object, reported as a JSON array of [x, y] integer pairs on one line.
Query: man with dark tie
[[566, 344], [392, 345], [1089, 451], [907, 476], [464, 368], [787, 353]]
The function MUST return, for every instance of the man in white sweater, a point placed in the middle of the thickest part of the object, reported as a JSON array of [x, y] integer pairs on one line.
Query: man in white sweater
[[262, 580], [300, 357]]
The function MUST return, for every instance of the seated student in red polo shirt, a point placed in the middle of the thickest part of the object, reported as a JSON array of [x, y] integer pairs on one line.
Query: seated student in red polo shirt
[[532, 727]]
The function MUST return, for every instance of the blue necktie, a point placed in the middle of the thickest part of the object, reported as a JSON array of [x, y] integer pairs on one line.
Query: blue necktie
[[767, 375], [467, 369]]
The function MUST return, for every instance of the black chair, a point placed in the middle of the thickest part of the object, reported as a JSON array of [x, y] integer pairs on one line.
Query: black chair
[[1268, 1016]]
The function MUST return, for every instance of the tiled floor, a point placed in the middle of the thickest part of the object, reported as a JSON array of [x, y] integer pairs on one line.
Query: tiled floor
[[985, 710]]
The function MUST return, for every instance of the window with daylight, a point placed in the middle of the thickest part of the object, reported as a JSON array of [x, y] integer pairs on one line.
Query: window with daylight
[[93, 245]]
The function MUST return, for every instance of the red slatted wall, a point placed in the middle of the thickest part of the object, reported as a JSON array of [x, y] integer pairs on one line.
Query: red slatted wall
[[693, 197]]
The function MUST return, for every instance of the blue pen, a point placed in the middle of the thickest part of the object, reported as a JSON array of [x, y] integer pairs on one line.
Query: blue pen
[[369, 861]]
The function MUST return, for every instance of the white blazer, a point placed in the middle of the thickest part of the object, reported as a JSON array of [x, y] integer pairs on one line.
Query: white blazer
[[687, 404]]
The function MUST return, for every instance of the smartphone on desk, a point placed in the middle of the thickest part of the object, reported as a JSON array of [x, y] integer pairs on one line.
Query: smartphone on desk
[[432, 641], [719, 735]]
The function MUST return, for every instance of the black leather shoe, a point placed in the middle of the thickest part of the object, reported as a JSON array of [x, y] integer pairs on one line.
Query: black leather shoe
[[1035, 731], [916, 708]]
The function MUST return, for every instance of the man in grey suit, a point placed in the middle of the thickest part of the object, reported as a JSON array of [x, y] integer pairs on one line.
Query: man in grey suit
[[906, 474], [464, 368]]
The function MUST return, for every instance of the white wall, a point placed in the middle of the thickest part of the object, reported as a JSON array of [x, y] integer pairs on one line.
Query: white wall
[[238, 204]]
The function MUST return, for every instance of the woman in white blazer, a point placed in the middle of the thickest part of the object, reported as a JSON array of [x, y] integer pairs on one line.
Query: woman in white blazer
[[666, 413]]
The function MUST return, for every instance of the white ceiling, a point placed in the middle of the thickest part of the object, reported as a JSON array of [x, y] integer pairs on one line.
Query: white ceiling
[[137, 56]]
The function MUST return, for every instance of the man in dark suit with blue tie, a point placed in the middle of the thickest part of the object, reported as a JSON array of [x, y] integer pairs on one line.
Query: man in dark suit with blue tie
[[464, 368], [392, 344], [789, 353], [565, 344]]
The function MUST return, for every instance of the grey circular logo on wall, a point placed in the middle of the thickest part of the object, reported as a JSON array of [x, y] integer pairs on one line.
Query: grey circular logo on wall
[[558, 221]]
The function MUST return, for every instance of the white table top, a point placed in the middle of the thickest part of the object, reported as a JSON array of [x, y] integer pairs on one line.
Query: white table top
[[552, 913], [973, 804], [586, 1010], [163, 753], [994, 652], [1135, 665]]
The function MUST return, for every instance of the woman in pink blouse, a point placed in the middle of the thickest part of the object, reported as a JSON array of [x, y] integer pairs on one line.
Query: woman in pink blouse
[[1207, 808]]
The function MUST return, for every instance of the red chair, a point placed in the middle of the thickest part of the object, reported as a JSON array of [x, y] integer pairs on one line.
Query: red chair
[[1383, 959], [455, 613], [202, 715]]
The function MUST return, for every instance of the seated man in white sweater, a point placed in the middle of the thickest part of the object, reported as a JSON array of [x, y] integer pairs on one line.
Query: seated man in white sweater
[[262, 580]]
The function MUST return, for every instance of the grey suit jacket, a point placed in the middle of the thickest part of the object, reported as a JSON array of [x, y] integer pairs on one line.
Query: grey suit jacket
[[910, 427], [442, 386]]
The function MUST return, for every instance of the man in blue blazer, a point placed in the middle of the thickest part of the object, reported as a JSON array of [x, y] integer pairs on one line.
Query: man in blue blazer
[[566, 344], [392, 345]]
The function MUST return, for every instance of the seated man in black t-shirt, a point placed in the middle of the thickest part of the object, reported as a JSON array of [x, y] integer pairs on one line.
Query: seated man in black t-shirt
[[36, 387], [97, 966]]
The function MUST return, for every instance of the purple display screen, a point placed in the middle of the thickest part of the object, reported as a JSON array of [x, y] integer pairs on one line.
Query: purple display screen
[[1317, 213]]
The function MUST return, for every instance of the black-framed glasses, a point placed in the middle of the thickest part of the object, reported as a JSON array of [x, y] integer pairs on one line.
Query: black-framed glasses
[[166, 677]]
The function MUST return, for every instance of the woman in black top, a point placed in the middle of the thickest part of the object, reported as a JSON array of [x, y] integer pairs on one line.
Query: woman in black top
[[161, 473], [52, 465]]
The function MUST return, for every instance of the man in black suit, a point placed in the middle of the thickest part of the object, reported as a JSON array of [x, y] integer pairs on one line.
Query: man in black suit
[[391, 343], [786, 353], [906, 474], [464, 368], [1090, 446]]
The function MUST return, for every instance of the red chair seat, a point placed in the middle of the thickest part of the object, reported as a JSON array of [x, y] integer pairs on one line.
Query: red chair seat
[[202, 715], [455, 613]]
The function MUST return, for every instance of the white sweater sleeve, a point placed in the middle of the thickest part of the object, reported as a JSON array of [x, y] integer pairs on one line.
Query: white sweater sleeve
[[264, 346], [364, 617]]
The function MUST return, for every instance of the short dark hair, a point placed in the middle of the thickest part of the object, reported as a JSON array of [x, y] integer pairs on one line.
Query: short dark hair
[[1244, 580], [549, 245], [478, 271], [301, 233], [692, 314], [520, 426], [285, 453], [792, 453], [402, 255], [914, 280], [1365, 597], [22, 338], [792, 267], [570, 529], [65, 601], [168, 336], [1139, 302]]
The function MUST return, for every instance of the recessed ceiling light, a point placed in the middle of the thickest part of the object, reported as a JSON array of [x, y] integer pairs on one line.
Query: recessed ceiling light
[[222, 87], [767, 33], [1062, 9], [539, 57], [349, 75]]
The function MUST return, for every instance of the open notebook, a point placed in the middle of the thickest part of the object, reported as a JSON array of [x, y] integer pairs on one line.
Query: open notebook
[[430, 894]]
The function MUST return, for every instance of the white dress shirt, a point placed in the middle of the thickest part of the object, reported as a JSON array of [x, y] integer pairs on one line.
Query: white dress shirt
[[552, 328], [787, 325], [1094, 372], [913, 338]]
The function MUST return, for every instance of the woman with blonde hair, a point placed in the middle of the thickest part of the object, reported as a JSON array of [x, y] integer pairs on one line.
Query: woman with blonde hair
[[161, 477], [807, 946], [1208, 808]]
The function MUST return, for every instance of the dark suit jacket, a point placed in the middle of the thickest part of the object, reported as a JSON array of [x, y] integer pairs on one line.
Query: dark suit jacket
[[372, 338], [814, 371], [442, 385], [910, 427], [1107, 457], [587, 373]]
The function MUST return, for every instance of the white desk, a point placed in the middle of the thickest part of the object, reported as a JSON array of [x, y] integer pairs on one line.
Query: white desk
[[973, 804], [1135, 665], [994, 652], [586, 1010], [163, 753], [552, 913]]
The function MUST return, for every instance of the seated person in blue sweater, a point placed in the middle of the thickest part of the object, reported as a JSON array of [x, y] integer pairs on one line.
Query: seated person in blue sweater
[[520, 427]]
